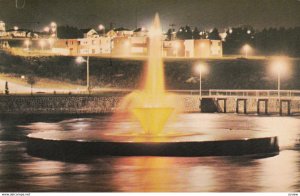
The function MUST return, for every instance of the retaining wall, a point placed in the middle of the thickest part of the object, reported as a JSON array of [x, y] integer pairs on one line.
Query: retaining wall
[[97, 104]]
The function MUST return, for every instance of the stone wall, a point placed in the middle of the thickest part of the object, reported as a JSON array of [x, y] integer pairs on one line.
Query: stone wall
[[107, 103], [73, 104]]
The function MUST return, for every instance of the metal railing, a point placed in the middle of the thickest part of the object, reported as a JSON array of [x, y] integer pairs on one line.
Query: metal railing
[[255, 93]]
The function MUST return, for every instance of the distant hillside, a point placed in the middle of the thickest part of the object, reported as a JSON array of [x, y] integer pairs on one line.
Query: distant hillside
[[180, 74]]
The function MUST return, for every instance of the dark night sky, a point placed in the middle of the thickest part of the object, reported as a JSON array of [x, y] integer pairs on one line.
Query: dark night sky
[[200, 13]]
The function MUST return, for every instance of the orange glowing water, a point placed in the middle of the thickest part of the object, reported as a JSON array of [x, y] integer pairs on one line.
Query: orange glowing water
[[152, 106]]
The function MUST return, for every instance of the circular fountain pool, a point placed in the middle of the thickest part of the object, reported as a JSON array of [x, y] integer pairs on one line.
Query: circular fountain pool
[[184, 137]]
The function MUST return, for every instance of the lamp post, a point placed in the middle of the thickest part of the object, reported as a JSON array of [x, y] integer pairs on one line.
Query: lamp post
[[27, 43], [279, 66], [200, 69], [53, 27], [87, 60], [102, 28], [246, 48]]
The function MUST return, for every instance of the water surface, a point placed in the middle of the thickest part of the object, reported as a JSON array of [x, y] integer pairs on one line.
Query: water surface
[[22, 172]]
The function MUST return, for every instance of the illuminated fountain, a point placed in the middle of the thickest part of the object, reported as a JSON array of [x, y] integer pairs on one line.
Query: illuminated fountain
[[152, 107]]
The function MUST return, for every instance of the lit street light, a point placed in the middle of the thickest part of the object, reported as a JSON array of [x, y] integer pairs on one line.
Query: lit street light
[[279, 65], [246, 48], [200, 68], [27, 43], [80, 60], [53, 27], [101, 27]]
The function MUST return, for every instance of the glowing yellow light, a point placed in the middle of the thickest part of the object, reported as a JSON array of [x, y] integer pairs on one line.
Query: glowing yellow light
[[27, 43], [201, 68], [153, 119], [280, 64], [101, 27], [16, 28], [80, 59]]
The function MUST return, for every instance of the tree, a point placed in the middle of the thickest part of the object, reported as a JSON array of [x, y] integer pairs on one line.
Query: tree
[[68, 32], [169, 34], [31, 80], [184, 33], [214, 34], [6, 88], [196, 33]]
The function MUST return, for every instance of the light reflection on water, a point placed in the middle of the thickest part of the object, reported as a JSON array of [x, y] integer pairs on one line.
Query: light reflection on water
[[21, 172]]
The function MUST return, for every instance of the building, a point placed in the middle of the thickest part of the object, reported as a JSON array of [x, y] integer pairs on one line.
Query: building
[[66, 47], [202, 48], [3, 32], [174, 48], [89, 33], [21, 33], [140, 32], [121, 46], [139, 45], [95, 45], [2, 26], [216, 48], [123, 32]]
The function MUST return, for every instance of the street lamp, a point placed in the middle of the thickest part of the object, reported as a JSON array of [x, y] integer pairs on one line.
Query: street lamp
[[27, 43], [201, 68], [101, 27], [246, 48], [80, 60], [53, 27], [279, 65]]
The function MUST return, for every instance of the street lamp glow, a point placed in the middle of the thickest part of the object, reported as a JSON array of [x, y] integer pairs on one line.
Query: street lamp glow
[[53, 24], [279, 65], [27, 43], [200, 68], [248, 31], [80, 59], [16, 28], [230, 31], [246, 49], [101, 27]]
